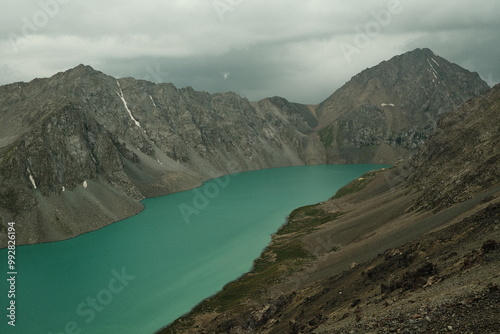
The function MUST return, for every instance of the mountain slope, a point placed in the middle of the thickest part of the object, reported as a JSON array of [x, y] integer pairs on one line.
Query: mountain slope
[[387, 111], [79, 150], [411, 249]]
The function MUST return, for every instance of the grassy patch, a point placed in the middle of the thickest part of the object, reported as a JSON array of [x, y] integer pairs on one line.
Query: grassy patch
[[284, 256], [306, 218], [276, 263]]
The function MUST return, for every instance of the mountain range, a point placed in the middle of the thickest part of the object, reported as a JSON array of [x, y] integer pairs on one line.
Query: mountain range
[[80, 150]]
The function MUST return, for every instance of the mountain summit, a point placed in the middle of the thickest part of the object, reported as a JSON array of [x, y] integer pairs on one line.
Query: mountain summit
[[388, 110], [80, 149]]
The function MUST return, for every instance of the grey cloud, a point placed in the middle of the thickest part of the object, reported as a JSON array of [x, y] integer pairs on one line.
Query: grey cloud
[[284, 47]]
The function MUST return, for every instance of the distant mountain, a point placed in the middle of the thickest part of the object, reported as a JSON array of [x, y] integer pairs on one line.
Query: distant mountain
[[80, 149], [387, 111]]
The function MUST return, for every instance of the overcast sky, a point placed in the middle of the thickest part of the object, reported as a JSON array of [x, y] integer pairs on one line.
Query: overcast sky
[[301, 50]]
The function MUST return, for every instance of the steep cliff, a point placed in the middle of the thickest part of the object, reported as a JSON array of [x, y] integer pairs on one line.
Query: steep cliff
[[80, 149], [385, 112]]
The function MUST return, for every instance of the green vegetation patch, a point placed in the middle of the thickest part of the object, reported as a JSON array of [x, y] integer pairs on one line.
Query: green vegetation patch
[[284, 256], [276, 263], [306, 218]]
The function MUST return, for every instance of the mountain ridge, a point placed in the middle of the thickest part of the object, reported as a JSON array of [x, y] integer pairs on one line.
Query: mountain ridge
[[128, 139], [81, 134]]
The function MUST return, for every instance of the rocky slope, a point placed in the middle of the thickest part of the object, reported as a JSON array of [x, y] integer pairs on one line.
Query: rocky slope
[[387, 111], [412, 249], [79, 150]]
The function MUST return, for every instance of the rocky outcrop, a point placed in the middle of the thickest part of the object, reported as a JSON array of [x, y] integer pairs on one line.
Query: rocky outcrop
[[385, 112], [469, 137], [80, 149]]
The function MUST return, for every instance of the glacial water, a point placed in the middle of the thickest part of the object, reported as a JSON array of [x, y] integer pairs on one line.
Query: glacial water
[[139, 274]]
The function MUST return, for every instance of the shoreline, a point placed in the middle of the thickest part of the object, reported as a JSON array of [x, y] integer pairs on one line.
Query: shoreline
[[190, 188], [323, 253], [281, 237]]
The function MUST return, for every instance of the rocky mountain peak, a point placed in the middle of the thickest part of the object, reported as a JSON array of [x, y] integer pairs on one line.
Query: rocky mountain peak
[[80, 72], [82, 135], [385, 112], [82, 68]]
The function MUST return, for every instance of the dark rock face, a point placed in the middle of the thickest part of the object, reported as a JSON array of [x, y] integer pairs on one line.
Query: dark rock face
[[461, 157], [80, 149], [387, 111], [85, 137]]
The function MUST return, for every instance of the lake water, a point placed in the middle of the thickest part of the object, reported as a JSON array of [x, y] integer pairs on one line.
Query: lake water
[[139, 274]]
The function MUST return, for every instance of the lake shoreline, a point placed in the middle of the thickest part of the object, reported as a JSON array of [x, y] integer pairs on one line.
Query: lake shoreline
[[190, 188], [217, 245], [336, 247]]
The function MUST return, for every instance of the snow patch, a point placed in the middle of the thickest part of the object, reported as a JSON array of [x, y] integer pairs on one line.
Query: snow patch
[[31, 178], [159, 162], [93, 158], [126, 105], [434, 72], [387, 104], [63, 189], [435, 62], [84, 184], [152, 100]]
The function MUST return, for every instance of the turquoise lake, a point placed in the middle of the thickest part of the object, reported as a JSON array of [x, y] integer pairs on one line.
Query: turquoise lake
[[139, 274]]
